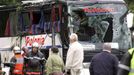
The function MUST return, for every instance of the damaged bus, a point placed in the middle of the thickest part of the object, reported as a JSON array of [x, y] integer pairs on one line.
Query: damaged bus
[[97, 22], [51, 22]]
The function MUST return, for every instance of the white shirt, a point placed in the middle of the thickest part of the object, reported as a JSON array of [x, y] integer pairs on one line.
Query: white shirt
[[75, 56]]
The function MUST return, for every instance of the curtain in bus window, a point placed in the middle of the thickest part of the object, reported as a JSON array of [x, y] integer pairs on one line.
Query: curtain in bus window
[[48, 24], [31, 22], [7, 30], [36, 29], [24, 21], [34, 22], [57, 26], [13, 18], [42, 22], [3, 20]]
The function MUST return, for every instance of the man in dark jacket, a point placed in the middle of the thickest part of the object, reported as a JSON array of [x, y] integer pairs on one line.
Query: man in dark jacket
[[34, 61], [104, 63]]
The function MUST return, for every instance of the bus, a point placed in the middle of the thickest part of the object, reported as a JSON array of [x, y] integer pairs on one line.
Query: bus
[[51, 22]]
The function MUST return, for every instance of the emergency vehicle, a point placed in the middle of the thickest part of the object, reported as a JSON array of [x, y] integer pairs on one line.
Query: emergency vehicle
[[51, 22]]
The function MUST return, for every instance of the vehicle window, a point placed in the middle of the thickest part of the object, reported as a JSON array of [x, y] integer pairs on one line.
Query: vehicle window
[[100, 23]]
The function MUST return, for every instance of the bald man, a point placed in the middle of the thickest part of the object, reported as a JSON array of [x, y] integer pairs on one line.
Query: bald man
[[104, 63], [75, 55]]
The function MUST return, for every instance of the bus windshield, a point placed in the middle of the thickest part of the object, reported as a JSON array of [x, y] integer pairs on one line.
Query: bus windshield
[[101, 22]]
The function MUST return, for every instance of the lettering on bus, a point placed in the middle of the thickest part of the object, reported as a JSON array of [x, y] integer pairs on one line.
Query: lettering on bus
[[98, 10], [29, 40]]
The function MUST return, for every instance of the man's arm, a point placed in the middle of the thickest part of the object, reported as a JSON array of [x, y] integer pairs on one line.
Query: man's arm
[[63, 67], [91, 68], [0, 59], [13, 60], [49, 65], [69, 59], [116, 62]]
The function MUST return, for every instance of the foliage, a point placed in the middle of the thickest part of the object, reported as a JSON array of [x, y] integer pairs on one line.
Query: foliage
[[9, 2], [130, 4]]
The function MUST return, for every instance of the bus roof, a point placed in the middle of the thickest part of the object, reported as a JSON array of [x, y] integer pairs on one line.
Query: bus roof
[[93, 1], [105, 0], [109, 0]]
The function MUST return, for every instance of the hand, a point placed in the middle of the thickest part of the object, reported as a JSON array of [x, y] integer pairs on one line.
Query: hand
[[45, 71], [68, 71]]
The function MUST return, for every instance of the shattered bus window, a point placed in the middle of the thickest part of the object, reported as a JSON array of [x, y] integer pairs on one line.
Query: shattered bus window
[[100, 23]]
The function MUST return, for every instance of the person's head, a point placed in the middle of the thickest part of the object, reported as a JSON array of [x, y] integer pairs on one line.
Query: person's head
[[73, 37], [35, 47], [54, 49], [107, 46], [25, 49], [17, 50]]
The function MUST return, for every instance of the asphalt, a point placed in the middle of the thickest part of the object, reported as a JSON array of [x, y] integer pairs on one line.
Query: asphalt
[[85, 70]]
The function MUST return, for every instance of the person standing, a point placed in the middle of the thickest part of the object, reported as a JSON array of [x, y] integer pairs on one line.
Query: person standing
[[17, 60], [34, 61], [126, 66], [75, 56], [104, 63], [55, 64], [0, 65]]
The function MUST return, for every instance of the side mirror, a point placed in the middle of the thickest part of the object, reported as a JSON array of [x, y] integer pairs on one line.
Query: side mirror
[[130, 20]]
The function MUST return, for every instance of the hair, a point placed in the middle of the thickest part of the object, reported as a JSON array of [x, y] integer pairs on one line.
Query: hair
[[55, 49], [74, 37], [107, 46]]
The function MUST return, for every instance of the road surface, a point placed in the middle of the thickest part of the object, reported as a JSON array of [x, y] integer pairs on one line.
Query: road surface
[[85, 70]]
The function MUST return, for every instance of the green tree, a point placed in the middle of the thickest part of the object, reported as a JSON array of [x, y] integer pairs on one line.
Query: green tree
[[9, 2], [130, 4]]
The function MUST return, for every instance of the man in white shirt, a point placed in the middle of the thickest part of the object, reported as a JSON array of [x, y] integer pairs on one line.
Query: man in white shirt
[[75, 55]]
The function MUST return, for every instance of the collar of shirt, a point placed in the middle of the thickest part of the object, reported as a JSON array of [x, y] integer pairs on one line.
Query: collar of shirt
[[107, 50], [73, 43]]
